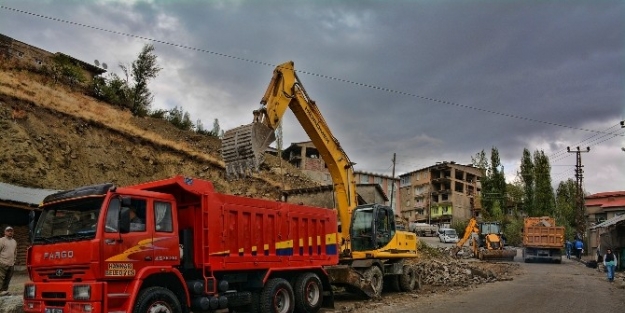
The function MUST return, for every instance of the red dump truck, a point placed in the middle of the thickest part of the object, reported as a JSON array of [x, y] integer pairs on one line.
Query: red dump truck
[[176, 245], [542, 239]]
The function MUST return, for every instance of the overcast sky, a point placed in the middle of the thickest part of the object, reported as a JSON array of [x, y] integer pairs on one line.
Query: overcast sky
[[428, 80]]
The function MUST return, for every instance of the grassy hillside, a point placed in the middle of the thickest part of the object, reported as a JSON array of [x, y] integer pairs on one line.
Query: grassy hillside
[[57, 138]]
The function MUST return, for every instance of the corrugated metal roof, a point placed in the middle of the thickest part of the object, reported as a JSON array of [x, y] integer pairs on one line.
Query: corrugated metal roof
[[26, 195], [610, 222]]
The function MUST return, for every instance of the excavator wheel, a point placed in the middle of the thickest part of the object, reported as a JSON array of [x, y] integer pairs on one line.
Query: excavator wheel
[[374, 275], [408, 279]]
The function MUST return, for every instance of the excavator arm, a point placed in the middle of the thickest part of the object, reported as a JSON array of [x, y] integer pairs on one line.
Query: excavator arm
[[244, 146]]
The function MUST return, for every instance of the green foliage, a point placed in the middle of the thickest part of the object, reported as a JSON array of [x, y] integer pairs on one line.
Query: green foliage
[[144, 69], [113, 90], [179, 118], [460, 227], [493, 183], [566, 205], [512, 229], [527, 179], [544, 203], [215, 131], [136, 97], [66, 71], [160, 114]]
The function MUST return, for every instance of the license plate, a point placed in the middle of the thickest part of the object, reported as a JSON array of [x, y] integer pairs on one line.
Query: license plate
[[540, 252], [53, 310]]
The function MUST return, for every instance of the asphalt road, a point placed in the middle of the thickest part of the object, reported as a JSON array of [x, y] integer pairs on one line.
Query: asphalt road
[[548, 288]]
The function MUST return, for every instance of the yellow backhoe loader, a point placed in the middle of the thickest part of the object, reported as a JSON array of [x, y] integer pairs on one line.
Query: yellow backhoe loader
[[485, 241]]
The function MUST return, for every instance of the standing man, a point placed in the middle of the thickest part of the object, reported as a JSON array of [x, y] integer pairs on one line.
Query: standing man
[[569, 247], [8, 255], [609, 260]]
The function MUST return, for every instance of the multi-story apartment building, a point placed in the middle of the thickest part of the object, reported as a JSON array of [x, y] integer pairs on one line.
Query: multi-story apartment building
[[441, 193], [305, 156], [389, 185]]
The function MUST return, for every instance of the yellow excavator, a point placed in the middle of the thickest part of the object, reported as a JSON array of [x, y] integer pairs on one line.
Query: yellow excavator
[[485, 241], [372, 251]]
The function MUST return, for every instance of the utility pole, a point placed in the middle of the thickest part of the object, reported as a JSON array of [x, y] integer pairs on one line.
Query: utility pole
[[579, 178], [393, 183]]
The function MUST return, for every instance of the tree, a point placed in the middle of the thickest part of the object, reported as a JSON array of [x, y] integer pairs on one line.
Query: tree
[[215, 132], [544, 203], [497, 182], [566, 206], [515, 194], [144, 69], [480, 161], [527, 178]]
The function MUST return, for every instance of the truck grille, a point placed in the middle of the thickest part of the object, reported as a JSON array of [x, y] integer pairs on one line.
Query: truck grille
[[60, 273]]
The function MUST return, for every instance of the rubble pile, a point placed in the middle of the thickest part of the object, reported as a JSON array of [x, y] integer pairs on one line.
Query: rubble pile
[[438, 268]]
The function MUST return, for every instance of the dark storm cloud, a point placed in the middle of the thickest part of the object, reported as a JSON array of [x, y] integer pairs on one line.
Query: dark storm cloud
[[434, 71]]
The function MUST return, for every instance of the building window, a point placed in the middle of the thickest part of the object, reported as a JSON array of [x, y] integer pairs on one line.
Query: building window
[[404, 180]]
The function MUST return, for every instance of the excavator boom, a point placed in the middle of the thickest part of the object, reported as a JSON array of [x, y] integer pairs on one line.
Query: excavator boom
[[243, 147]]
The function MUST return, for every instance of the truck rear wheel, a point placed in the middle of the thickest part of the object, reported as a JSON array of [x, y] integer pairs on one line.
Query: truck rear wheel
[[157, 300], [277, 297], [308, 293]]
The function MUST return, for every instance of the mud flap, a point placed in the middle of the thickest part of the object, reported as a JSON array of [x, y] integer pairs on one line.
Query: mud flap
[[243, 148]]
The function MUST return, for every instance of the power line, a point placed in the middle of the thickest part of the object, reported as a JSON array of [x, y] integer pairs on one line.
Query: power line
[[563, 151], [385, 89]]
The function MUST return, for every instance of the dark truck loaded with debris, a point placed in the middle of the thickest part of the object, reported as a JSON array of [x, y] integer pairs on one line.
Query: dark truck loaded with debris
[[542, 239]]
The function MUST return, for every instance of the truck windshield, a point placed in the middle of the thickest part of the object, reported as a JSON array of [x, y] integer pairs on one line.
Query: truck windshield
[[68, 221]]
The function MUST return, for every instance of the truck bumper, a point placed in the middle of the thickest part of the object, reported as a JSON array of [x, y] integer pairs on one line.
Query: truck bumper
[[60, 297], [542, 254]]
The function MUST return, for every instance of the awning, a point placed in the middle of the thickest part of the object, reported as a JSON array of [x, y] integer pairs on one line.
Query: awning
[[610, 222]]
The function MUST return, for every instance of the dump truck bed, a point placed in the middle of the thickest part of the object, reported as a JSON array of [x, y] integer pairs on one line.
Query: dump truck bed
[[544, 237]]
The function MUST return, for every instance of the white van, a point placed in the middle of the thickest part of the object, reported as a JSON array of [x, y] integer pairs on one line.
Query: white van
[[448, 235]]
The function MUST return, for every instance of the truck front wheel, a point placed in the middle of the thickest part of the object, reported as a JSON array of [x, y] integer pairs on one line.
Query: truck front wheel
[[308, 293], [277, 297], [157, 300]]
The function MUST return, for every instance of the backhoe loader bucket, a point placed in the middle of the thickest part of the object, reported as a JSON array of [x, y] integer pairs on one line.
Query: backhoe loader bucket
[[243, 148], [497, 255]]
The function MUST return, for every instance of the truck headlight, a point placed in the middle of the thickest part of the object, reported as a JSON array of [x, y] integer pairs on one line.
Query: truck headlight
[[82, 292], [29, 291]]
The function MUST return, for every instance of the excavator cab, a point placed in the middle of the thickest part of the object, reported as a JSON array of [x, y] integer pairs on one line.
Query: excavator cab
[[373, 227]]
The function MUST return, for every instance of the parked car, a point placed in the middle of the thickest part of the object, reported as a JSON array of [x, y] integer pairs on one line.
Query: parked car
[[447, 235]]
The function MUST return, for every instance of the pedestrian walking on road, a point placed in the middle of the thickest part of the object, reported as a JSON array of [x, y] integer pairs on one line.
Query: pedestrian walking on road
[[610, 262], [569, 247], [579, 248], [8, 254]]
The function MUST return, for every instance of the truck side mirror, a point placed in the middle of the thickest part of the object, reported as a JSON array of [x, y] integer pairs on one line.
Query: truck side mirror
[[31, 226]]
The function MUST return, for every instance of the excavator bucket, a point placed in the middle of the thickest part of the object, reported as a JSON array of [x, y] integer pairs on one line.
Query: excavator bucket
[[352, 280], [243, 148]]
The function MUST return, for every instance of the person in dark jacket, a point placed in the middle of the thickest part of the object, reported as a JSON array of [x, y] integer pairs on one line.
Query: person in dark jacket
[[610, 262]]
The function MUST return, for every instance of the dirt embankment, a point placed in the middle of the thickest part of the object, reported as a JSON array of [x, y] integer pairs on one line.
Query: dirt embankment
[[55, 138]]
